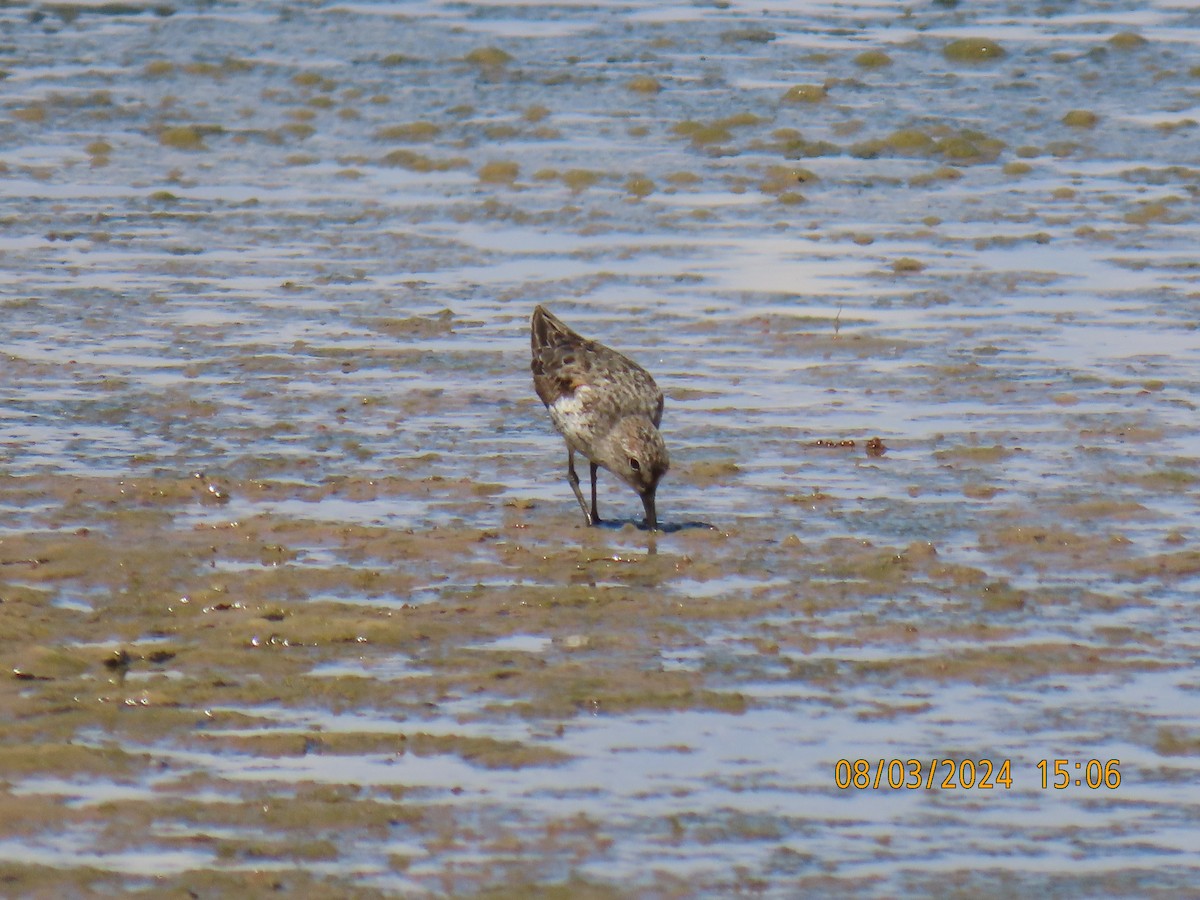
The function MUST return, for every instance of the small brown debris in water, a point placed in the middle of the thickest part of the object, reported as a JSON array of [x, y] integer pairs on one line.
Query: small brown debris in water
[[980, 491]]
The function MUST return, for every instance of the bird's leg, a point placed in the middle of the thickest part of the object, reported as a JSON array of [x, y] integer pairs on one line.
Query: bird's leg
[[595, 512], [574, 479]]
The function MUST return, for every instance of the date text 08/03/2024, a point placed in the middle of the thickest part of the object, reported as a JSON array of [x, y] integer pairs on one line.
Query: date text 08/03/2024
[[971, 774]]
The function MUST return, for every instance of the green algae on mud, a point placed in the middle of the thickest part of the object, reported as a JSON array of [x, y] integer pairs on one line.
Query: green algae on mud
[[251, 635], [271, 741], [805, 93], [965, 455], [973, 50], [188, 137], [1013, 664], [488, 57], [499, 172], [872, 59], [644, 84], [261, 618], [1080, 118]]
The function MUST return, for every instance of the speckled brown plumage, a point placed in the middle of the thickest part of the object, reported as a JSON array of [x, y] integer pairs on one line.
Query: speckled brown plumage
[[605, 406]]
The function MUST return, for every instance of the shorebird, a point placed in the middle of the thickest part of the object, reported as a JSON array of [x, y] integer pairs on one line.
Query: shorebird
[[605, 406]]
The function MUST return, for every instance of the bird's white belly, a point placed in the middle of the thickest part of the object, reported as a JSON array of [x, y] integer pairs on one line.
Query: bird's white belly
[[574, 417]]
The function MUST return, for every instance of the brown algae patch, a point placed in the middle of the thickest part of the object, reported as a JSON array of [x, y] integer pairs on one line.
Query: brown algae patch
[[779, 180], [581, 179], [644, 84], [187, 137], [411, 132], [1080, 118], [499, 172], [805, 93], [1127, 40], [1169, 479], [1163, 566], [907, 264], [416, 326], [872, 59], [701, 134], [419, 162], [973, 50], [73, 759], [1008, 665], [1177, 742], [1030, 538], [838, 339], [158, 68], [488, 57], [709, 471], [639, 186], [969, 146], [973, 455], [940, 174], [314, 81], [910, 142], [487, 753], [748, 36], [1102, 508]]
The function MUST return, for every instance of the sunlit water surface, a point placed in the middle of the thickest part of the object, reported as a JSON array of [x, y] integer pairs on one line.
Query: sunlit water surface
[[292, 250]]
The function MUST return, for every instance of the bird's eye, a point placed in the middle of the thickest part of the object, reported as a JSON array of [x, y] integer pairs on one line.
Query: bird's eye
[[635, 465]]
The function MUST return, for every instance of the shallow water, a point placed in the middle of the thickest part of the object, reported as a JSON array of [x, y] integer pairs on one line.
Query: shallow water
[[296, 597]]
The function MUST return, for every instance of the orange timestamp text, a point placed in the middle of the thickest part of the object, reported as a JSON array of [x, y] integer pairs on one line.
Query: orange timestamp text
[[1061, 774], [969, 774], [923, 774]]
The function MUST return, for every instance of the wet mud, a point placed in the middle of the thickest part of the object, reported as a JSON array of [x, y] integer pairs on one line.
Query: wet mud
[[295, 597]]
